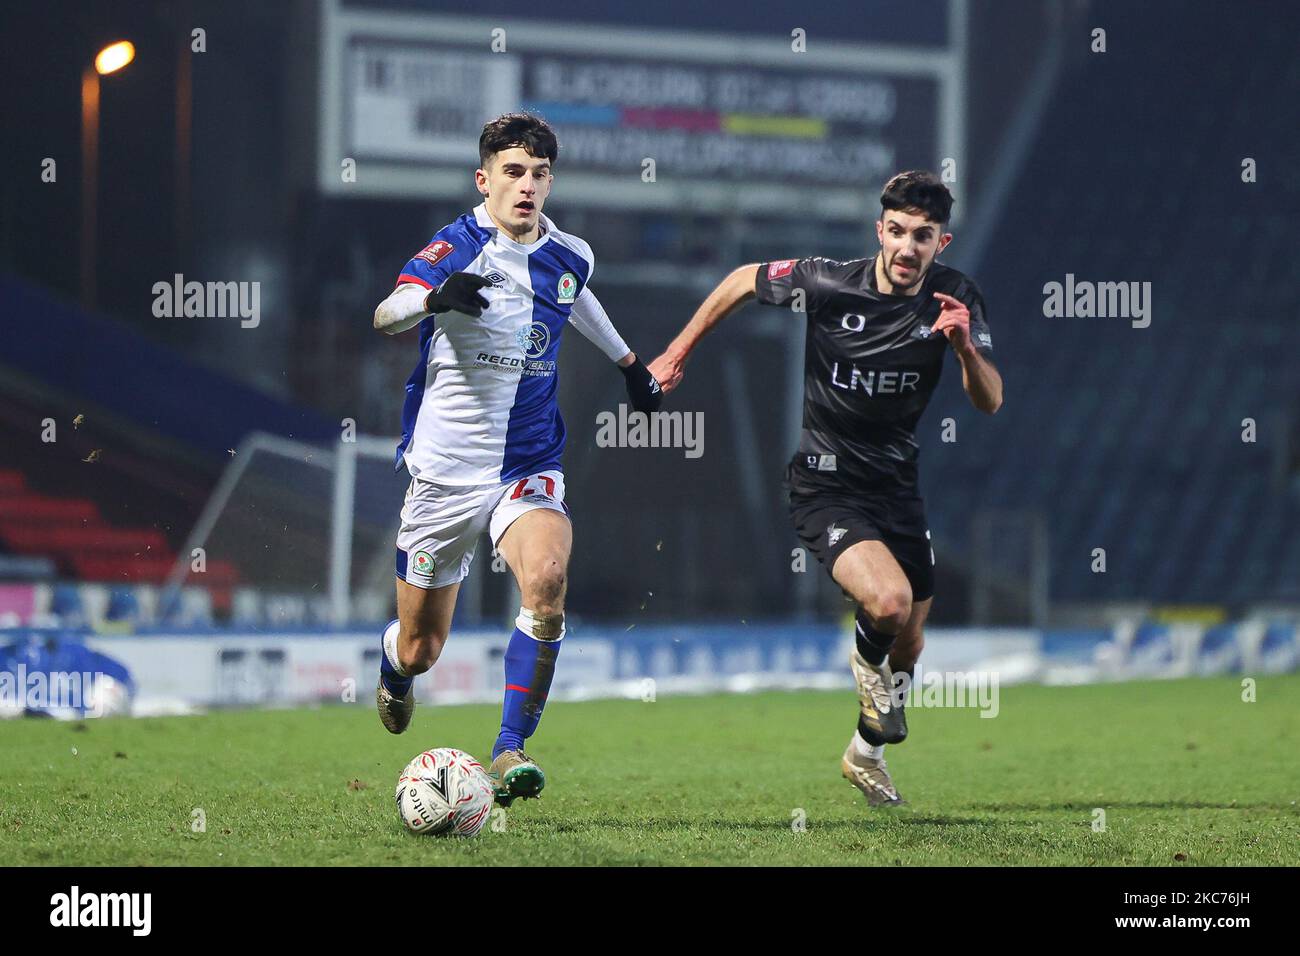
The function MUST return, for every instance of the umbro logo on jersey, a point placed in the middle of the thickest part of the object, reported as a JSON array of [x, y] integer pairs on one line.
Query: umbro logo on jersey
[[497, 279], [834, 534]]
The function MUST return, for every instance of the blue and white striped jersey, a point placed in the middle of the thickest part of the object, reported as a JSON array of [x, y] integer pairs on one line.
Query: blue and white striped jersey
[[481, 404]]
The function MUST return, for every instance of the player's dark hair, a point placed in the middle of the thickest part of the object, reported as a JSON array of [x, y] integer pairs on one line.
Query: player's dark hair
[[920, 193], [518, 129]]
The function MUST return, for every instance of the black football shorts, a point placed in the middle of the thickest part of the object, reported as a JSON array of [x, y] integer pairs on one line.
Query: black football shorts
[[828, 525]]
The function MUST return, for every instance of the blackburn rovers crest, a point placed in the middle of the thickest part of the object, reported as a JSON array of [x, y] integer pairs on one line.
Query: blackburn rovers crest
[[567, 289]]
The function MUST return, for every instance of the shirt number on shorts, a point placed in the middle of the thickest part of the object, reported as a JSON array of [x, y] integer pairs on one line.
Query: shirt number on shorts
[[534, 485]]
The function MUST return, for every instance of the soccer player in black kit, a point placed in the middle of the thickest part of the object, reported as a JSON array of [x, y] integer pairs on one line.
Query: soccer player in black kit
[[878, 329]]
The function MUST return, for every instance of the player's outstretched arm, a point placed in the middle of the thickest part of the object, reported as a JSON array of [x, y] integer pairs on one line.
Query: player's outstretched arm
[[588, 316], [978, 376], [734, 290]]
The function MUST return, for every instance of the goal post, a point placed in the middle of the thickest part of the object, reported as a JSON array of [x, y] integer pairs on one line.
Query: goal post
[[281, 506]]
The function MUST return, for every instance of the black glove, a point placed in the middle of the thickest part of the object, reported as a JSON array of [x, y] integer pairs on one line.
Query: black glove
[[459, 293], [642, 389]]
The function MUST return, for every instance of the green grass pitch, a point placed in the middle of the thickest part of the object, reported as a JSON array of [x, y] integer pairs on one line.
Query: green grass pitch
[[1186, 772]]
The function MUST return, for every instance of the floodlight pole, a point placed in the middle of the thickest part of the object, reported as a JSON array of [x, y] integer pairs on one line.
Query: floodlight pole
[[89, 181]]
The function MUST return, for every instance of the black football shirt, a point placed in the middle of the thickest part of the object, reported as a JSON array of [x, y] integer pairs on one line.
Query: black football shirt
[[870, 368]]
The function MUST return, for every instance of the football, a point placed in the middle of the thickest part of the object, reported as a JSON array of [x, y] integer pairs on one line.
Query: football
[[444, 792]]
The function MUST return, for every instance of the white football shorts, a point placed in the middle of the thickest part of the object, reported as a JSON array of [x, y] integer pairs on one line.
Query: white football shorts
[[441, 524]]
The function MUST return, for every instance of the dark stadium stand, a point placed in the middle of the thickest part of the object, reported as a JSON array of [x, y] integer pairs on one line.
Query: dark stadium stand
[[1144, 425], [139, 436]]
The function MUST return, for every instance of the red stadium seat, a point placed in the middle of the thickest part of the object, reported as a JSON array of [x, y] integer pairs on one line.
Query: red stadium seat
[[27, 508], [72, 532]]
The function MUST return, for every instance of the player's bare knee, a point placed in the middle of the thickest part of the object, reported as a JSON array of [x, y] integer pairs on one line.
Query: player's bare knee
[[890, 611], [544, 594]]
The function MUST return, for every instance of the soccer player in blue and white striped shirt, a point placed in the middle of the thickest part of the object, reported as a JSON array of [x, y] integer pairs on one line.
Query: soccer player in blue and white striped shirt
[[482, 435]]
